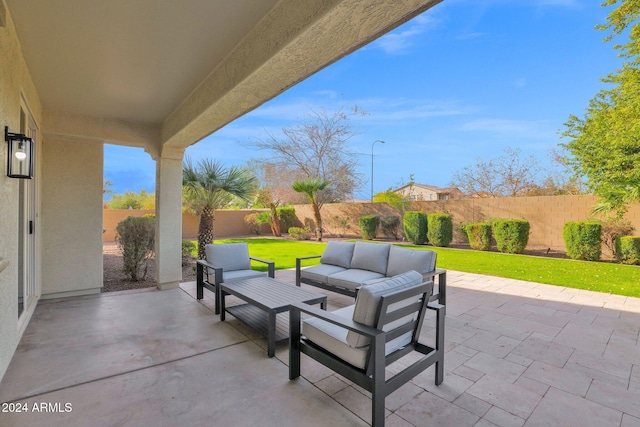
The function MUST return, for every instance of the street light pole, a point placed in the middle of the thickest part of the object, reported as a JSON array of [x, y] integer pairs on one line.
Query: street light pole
[[374, 143]]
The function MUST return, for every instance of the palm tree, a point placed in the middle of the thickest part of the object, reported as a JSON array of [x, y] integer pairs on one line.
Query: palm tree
[[311, 187], [208, 186]]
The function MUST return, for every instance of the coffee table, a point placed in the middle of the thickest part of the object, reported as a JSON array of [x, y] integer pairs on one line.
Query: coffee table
[[265, 298]]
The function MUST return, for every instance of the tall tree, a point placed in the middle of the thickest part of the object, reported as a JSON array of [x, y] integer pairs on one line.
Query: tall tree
[[208, 186], [318, 147], [605, 143], [311, 187], [507, 175]]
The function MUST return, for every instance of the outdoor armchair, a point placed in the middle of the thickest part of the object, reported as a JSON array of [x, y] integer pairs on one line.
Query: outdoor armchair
[[226, 262], [359, 341]]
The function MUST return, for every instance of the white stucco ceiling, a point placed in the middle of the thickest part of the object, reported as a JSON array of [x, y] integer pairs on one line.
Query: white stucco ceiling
[[135, 60]]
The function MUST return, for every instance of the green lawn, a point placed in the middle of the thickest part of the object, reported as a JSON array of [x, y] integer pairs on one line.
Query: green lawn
[[595, 276]]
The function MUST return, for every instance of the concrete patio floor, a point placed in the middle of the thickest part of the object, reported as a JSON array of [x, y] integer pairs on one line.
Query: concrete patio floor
[[518, 353]]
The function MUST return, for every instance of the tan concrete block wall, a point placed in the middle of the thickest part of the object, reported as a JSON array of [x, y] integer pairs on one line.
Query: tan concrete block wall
[[546, 215], [228, 223]]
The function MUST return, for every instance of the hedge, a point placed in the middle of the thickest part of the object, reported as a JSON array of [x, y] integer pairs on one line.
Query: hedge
[[479, 234], [415, 227], [368, 226], [583, 240], [390, 225], [628, 249], [439, 229], [512, 235]]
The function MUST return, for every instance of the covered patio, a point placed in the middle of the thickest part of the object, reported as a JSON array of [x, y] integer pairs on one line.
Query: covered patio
[[518, 353]]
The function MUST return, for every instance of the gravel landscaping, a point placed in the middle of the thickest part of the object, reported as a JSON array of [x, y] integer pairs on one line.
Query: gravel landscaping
[[116, 280]]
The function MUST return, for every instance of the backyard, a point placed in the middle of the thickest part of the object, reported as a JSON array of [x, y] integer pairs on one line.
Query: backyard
[[603, 276]]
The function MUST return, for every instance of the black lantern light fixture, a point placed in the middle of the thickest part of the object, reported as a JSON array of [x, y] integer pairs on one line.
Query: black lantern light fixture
[[20, 156]]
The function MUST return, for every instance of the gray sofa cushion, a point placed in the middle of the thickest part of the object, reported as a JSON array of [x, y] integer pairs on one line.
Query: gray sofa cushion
[[338, 253], [402, 260], [352, 278], [371, 256], [320, 273], [228, 256], [368, 299]]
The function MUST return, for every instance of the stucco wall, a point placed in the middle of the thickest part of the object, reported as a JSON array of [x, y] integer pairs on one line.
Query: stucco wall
[[14, 81], [71, 217]]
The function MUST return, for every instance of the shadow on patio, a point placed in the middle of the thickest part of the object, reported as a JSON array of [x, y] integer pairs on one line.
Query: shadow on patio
[[518, 353]]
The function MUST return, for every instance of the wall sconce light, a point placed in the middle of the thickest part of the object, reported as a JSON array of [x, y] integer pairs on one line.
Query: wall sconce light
[[20, 158]]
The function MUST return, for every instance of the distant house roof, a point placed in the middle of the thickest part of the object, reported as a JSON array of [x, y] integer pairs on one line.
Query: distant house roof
[[435, 189]]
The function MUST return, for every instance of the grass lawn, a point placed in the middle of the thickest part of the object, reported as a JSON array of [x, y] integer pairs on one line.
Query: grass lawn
[[594, 276]]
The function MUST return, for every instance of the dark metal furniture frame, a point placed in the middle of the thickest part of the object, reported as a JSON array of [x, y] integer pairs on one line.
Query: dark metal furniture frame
[[372, 377], [441, 296], [266, 297], [203, 280]]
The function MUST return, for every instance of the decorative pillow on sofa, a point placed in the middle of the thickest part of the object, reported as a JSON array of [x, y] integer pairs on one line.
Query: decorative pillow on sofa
[[368, 300], [371, 256], [402, 260], [338, 253]]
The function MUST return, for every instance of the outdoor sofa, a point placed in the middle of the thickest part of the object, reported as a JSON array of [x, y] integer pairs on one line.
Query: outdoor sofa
[[346, 266]]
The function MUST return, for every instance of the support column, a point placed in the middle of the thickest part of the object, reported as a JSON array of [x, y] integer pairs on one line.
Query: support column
[[169, 221]]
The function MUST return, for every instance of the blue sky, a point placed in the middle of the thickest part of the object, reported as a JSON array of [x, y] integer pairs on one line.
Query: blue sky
[[465, 80]]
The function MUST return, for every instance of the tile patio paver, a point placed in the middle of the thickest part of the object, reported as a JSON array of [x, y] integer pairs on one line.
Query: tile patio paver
[[516, 352], [562, 408]]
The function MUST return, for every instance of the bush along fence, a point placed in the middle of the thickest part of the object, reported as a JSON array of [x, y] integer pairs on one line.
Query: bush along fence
[[479, 235], [415, 227], [439, 229], [512, 235], [368, 226], [628, 249], [583, 240], [136, 238]]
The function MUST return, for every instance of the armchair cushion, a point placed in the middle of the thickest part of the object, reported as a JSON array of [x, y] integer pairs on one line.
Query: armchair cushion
[[333, 338], [229, 256], [402, 260], [370, 256], [366, 307], [338, 253]]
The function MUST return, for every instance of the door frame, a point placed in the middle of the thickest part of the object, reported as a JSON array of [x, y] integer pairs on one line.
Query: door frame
[[30, 241]]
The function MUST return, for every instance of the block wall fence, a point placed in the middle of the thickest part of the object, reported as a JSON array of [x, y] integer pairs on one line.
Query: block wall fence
[[546, 215]]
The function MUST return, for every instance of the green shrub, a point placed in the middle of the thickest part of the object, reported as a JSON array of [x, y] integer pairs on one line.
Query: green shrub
[[368, 226], [613, 228], [189, 248], [136, 238], [479, 234], [440, 229], [339, 225], [583, 240], [512, 235], [415, 227], [299, 233], [390, 225], [252, 221], [628, 249], [287, 216]]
